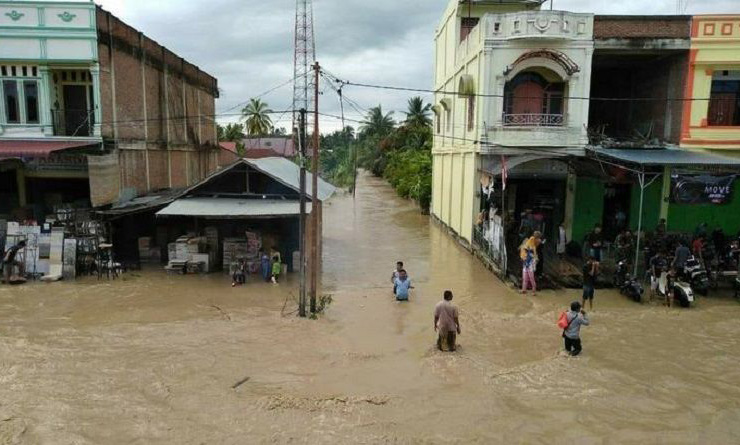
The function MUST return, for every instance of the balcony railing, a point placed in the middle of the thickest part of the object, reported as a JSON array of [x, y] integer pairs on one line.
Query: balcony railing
[[534, 120], [73, 122]]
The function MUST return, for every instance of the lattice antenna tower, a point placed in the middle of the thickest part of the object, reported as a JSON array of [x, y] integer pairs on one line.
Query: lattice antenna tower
[[304, 58]]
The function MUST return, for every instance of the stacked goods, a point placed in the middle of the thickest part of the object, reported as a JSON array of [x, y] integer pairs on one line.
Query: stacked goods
[[254, 244], [181, 248], [145, 249], [234, 250], [212, 243]]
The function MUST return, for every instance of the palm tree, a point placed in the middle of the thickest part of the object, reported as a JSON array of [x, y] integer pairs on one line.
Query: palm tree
[[257, 117], [418, 113], [231, 132], [376, 123]]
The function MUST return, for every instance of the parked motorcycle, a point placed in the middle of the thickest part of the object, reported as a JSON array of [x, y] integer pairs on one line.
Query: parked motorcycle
[[682, 292], [695, 274], [626, 284]]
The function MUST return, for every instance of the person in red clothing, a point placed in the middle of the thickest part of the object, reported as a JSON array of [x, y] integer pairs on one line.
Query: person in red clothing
[[697, 247]]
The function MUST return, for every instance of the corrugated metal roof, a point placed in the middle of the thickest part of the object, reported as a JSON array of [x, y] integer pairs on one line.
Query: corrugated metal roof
[[667, 157], [229, 208], [288, 173]]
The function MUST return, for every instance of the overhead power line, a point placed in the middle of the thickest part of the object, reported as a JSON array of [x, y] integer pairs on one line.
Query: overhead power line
[[455, 93]]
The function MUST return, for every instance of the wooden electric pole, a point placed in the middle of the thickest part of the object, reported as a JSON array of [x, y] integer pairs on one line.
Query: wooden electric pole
[[314, 192], [302, 212]]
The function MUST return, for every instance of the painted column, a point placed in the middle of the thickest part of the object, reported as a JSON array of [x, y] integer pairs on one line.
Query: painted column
[[570, 203], [45, 115], [95, 73], [665, 194]]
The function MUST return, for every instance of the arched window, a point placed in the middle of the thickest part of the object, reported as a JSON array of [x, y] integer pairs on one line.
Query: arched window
[[533, 99]]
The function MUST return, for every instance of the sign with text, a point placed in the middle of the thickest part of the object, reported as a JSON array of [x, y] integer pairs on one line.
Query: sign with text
[[702, 189]]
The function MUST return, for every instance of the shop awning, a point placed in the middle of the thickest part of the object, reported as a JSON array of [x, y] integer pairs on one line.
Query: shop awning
[[38, 149], [665, 157], [230, 208]]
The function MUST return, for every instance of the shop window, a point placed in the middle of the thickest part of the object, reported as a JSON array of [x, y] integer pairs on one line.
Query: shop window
[[30, 91], [10, 95], [724, 103]]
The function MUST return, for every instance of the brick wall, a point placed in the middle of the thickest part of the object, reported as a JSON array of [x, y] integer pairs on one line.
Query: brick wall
[[646, 27], [164, 109]]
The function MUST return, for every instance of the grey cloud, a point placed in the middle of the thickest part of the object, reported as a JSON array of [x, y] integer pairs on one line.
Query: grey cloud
[[247, 44]]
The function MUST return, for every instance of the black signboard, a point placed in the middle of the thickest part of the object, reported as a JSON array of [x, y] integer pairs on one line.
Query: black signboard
[[701, 189]]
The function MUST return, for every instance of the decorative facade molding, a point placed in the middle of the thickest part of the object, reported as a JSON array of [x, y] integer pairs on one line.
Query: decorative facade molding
[[66, 16], [15, 15]]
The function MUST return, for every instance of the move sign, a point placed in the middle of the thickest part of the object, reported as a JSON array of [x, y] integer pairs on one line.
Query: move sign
[[701, 189]]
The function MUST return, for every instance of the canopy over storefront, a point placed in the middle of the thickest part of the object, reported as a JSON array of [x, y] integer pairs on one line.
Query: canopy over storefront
[[663, 158], [21, 149], [227, 208]]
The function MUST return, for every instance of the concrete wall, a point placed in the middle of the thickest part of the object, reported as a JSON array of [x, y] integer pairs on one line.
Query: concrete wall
[[157, 110], [715, 46]]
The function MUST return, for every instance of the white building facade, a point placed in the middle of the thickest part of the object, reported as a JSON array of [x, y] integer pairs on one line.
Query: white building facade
[[512, 84], [49, 72]]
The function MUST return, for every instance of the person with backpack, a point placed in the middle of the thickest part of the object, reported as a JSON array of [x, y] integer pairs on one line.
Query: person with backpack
[[570, 322]]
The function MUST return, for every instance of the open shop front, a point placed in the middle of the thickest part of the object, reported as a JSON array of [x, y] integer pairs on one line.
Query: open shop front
[[239, 214], [211, 234], [518, 195], [685, 187]]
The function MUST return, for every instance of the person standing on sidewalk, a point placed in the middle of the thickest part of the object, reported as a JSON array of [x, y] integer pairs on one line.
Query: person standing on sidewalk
[[446, 323], [528, 253], [572, 333]]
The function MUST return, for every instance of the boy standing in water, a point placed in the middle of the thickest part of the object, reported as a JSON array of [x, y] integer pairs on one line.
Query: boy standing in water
[[572, 334], [276, 266], [395, 274], [265, 266], [590, 271], [402, 286]]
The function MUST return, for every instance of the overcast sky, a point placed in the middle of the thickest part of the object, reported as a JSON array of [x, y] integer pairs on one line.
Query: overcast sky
[[248, 44]]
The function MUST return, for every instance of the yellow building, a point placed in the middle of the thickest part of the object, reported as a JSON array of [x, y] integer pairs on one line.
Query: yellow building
[[712, 117]]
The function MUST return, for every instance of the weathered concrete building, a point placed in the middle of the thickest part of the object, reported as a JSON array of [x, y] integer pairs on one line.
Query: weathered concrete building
[[583, 116], [94, 112]]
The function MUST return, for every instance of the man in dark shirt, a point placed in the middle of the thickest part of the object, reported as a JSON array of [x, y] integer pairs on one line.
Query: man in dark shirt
[[681, 256], [590, 271], [595, 241], [9, 261]]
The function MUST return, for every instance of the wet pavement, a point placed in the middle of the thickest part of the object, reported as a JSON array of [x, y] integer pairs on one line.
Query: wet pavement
[[154, 358]]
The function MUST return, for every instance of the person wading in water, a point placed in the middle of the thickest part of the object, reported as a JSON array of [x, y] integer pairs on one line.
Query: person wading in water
[[446, 323]]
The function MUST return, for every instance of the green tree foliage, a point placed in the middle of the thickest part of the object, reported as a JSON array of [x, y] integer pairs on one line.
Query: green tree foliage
[[257, 118], [401, 154], [419, 113], [231, 132]]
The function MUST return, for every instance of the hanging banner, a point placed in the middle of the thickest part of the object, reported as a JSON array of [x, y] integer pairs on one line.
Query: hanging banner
[[702, 189]]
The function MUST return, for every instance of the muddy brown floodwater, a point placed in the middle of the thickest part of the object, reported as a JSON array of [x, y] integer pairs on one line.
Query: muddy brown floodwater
[[155, 358]]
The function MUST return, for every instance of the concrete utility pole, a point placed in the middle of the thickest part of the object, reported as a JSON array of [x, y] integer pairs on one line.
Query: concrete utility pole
[[302, 215], [314, 192]]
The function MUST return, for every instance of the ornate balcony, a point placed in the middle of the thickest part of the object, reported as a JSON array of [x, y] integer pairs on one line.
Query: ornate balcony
[[533, 120]]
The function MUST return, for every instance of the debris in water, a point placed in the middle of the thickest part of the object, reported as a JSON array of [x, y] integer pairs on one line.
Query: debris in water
[[240, 383]]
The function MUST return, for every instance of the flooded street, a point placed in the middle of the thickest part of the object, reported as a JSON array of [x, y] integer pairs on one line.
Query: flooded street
[[155, 358]]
